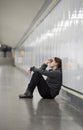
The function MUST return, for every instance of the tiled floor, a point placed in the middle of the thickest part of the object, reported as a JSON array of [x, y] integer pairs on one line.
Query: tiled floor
[[36, 113]]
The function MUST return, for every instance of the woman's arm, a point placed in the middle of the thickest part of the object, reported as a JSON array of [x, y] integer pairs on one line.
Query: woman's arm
[[48, 73], [44, 66]]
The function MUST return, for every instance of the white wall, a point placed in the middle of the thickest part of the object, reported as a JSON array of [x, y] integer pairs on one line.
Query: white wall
[[60, 34]]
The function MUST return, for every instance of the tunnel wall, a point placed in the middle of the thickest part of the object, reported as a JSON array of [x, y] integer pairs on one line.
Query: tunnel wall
[[59, 34]]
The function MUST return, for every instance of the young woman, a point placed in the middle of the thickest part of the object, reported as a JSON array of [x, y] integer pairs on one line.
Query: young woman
[[50, 87]]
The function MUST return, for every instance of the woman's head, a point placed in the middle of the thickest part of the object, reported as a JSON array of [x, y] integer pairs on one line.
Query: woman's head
[[56, 63]]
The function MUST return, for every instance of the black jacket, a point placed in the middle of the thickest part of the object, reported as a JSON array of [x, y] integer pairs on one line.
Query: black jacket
[[54, 78]]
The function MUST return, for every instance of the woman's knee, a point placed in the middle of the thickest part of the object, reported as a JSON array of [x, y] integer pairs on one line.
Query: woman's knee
[[36, 73]]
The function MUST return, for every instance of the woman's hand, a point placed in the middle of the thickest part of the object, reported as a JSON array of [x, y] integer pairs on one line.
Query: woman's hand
[[31, 69], [48, 61]]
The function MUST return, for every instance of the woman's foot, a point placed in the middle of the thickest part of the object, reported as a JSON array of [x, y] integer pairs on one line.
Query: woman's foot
[[25, 96]]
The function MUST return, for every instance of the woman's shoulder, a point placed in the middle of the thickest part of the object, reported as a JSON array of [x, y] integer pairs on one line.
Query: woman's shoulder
[[59, 70]]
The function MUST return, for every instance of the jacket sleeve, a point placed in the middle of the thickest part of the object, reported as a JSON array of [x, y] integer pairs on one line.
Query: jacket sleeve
[[43, 67], [47, 72]]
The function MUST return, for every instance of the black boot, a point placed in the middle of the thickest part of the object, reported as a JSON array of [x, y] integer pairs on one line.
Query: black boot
[[27, 94]]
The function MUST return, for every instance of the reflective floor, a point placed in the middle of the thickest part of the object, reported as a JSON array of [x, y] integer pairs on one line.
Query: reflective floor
[[36, 113]]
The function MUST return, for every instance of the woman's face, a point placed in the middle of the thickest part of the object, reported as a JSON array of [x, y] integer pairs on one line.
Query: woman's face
[[53, 63]]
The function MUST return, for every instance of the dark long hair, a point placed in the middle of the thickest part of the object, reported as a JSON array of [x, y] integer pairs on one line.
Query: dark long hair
[[59, 61]]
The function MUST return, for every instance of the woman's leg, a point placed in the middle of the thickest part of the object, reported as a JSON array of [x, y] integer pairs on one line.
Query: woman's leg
[[38, 81]]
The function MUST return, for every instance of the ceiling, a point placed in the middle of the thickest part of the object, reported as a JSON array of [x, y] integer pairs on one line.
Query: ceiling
[[16, 17]]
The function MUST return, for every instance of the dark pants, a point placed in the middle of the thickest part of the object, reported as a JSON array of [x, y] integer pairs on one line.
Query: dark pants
[[38, 81]]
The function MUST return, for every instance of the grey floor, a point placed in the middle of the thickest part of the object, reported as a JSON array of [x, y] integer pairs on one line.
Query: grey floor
[[36, 113]]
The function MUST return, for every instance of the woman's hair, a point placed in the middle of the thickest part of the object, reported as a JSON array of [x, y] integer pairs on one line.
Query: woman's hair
[[59, 61]]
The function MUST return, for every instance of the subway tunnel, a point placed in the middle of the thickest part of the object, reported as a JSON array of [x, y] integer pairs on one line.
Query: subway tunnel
[[31, 32]]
